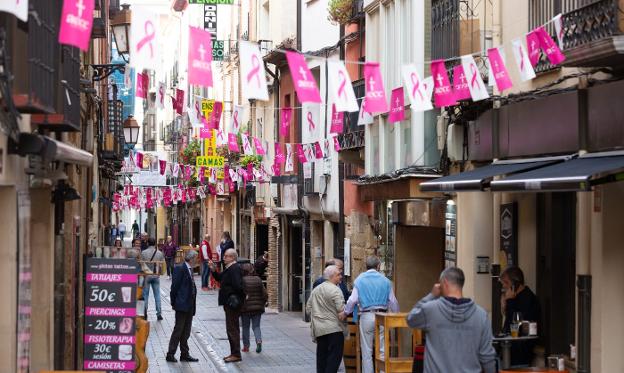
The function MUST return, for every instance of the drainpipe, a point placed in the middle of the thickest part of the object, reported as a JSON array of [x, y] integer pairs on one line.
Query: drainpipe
[[339, 251]]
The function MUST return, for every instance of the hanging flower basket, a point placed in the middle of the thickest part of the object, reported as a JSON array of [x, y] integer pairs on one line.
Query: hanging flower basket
[[340, 11]]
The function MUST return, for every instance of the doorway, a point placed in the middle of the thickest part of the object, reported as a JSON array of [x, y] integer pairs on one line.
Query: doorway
[[196, 236], [296, 270], [262, 240]]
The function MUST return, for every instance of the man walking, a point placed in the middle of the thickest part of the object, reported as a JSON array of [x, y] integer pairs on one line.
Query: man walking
[[121, 229], [135, 230], [152, 258], [325, 308], [205, 255], [231, 297], [459, 336], [169, 250], [183, 294], [372, 292]]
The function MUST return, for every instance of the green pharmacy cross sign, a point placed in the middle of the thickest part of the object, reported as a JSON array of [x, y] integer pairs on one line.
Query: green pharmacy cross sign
[[226, 2]]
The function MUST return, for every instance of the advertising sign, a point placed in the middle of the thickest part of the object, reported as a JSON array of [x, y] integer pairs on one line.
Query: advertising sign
[[110, 311], [210, 161], [450, 247], [217, 50], [508, 235], [210, 18]]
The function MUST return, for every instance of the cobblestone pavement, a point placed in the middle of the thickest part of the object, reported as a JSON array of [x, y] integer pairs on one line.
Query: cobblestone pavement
[[286, 342]]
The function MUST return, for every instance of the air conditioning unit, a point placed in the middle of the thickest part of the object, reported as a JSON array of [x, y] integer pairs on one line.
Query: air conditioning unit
[[323, 184], [441, 124], [455, 142]]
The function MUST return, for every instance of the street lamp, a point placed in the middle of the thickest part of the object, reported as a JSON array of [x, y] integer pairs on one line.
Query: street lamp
[[121, 29], [131, 131]]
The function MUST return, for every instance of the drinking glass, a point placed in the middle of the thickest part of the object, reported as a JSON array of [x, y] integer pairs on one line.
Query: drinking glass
[[514, 327], [516, 317]]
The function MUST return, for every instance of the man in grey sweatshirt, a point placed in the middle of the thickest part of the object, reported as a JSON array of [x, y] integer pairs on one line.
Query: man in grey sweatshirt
[[458, 332]]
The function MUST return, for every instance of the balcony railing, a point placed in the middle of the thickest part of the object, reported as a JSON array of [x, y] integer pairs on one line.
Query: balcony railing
[[351, 140]]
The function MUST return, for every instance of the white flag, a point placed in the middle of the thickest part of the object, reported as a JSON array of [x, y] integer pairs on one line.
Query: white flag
[[253, 79], [246, 144], [144, 38], [195, 113], [558, 21], [289, 159], [428, 84], [160, 95], [18, 8], [365, 117], [237, 118], [221, 188], [201, 191], [312, 120], [522, 60], [309, 152], [222, 139], [341, 88], [416, 89], [478, 90]]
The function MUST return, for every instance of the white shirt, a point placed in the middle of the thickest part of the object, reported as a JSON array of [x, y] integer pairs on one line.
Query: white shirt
[[204, 249], [121, 227]]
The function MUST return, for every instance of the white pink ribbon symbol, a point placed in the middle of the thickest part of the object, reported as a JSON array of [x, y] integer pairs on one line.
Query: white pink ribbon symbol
[[199, 115], [473, 81], [343, 82], [161, 91], [521, 58], [149, 36], [310, 121], [235, 119], [416, 83], [255, 71]]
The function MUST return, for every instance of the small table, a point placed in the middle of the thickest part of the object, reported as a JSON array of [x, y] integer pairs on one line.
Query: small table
[[506, 342]]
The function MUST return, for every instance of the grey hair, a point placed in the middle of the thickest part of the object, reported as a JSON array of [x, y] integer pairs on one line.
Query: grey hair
[[330, 271], [454, 276], [190, 255], [231, 252], [372, 262]]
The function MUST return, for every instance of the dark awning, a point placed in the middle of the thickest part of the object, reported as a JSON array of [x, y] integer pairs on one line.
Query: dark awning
[[480, 178], [577, 174]]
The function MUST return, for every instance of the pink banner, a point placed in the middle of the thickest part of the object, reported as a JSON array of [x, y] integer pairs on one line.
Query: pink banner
[[549, 46], [318, 150], [300, 154], [533, 47], [111, 277], [337, 120], [163, 166], [139, 159], [200, 57], [205, 132], [215, 116], [499, 71], [442, 91], [279, 155], [141, 87], [76, 23], [110, 339], [233, 142], [460, 84], [276, 169], [259, 147], [179, 101], [305, 85], [397, 106], [109, 365], [285, 121], [108, 311], [375, 98], [336, 144]]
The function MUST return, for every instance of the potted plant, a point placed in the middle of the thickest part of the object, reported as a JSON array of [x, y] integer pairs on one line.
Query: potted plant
[[340, 11]]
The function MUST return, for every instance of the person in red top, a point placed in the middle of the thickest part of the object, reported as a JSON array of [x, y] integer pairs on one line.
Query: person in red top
[[205, 254]]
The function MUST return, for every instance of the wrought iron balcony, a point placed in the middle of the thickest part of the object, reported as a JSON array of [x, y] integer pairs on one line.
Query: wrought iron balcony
[[351, 140]]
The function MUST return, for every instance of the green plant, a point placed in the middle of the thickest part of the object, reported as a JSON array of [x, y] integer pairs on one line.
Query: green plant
[[247, 159], [187, 155], [340, 11]]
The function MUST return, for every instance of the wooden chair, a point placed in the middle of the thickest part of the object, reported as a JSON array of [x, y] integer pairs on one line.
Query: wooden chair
[[396, 364], [351, 355]]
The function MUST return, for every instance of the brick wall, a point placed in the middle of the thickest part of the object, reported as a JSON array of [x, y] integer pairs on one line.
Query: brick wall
[[273, 270]]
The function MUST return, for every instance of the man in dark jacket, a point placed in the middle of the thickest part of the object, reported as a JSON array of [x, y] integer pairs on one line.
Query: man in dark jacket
[[231, 297], [183, 294], [342, 285]]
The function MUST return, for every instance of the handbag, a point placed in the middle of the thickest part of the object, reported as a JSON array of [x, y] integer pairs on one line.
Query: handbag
[[234, 302]]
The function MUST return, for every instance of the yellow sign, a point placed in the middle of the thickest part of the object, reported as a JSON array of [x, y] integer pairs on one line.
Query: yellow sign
[[210, 161], [210, 144], [220, 173], [206, 108]]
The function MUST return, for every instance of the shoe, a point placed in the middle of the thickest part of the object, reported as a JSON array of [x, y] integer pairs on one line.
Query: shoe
[[171, 359], [259, 347], [159, 318], [245, 349], [232, 359], [188, 358]]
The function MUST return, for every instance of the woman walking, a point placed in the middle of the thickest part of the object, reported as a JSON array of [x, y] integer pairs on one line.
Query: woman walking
[[253, 307]]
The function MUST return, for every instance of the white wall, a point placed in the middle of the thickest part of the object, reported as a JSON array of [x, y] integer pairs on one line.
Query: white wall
[[317, 31]]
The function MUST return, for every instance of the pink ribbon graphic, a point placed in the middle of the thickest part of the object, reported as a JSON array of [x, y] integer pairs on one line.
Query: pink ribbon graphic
[[235, 119], [255, 71], [310, 121], [474, 83], [343, 82], [521, 57], [416, 83], [161, 91], [149, 37]]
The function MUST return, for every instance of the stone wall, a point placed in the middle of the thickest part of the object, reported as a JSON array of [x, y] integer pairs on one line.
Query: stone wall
[[273, 270], [363, 243]]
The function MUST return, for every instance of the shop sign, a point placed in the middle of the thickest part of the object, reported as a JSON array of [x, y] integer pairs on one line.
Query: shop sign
[[210, 19], [210, 161], [450, 235], [223, 2], [110, 312], [509, 235], [207, 106], [217, 50]]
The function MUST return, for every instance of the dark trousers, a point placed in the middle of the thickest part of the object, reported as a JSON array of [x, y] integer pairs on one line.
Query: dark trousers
[[232, 327], [205, 275], [181, 333], [170, 263], [329, 349]]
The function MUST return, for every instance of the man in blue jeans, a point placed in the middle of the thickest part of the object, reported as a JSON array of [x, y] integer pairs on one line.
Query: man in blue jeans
[[152, 264]]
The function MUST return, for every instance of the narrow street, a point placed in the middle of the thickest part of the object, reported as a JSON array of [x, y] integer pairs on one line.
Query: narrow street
[[286, 347]]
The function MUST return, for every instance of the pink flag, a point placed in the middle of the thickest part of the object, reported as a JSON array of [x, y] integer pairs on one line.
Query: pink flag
[[276, 169], [305, 85], [549, 46], [397, 106], [205, 132], [337, 120], [200, 57], [141, 87], [163, 166], [533, 46], [460, 84], [336, 144], [300, 154], [279, 155], [179, 101], [259, 147], [375, 98], [233, 142], [318, 150], [139, 160], [285, 122], [215, 116], [442, 91], [499, 71], [76, 23], [201, 174]]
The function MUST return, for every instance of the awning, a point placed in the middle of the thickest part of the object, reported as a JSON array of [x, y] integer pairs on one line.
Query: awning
[[480, 178], [577, 174]]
